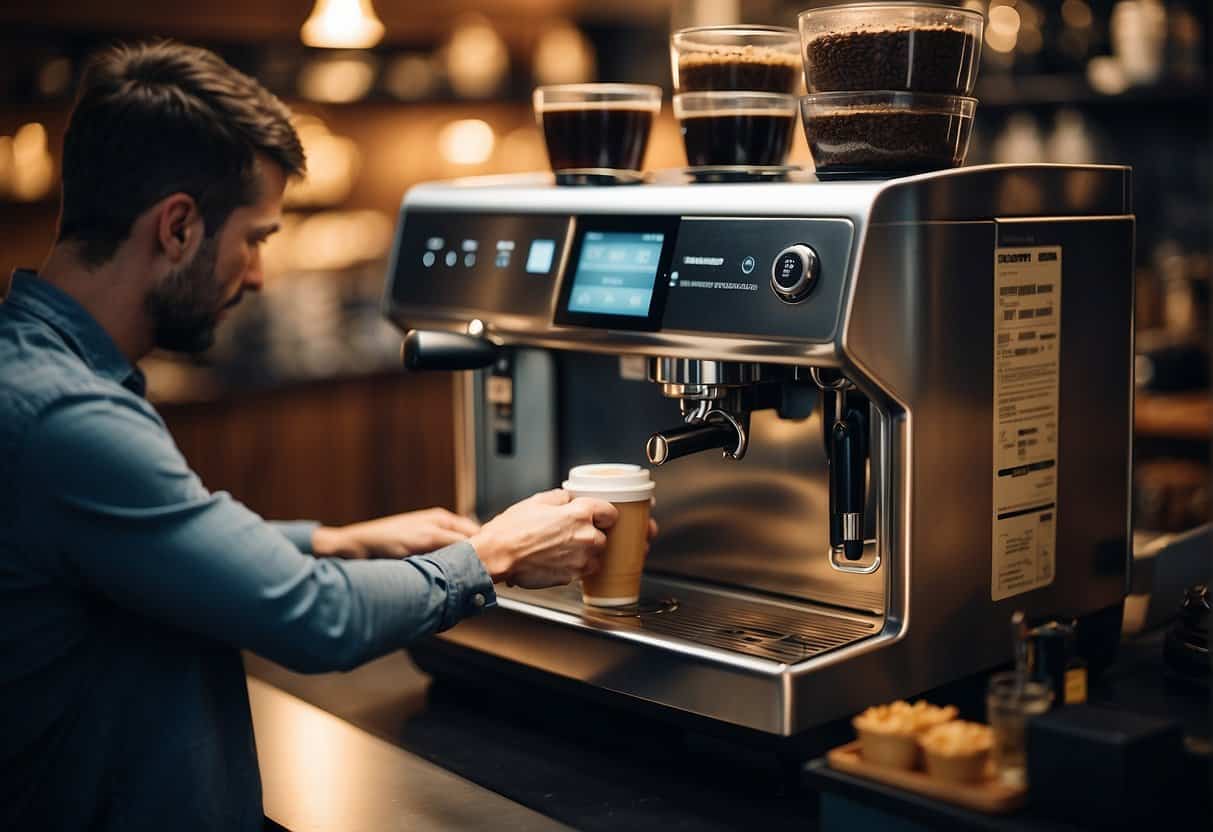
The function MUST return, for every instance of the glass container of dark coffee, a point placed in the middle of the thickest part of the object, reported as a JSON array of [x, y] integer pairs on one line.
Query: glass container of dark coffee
[[913, 47], [744, 58], [886, 133], [751, 129], [597, 133]]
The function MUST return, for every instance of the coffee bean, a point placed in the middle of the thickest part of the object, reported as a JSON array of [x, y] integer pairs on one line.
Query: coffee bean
[[887, 140], [927, 59], [746, 68]]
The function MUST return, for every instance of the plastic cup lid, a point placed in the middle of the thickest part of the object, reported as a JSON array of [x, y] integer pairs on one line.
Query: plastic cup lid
[[614, 481]]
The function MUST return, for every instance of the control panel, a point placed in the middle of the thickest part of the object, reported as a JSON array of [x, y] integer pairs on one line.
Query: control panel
[[759, 277], [743, 277], [794, 272], [482, 262]]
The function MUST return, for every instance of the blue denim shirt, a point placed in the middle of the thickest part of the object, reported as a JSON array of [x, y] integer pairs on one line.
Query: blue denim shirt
[[127, 590]]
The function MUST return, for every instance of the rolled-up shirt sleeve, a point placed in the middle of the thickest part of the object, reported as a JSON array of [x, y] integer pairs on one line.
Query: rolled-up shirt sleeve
[[298, 532], [125, 516]]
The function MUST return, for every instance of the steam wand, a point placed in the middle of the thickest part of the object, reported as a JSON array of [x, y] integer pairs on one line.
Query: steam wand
[[846, 441]]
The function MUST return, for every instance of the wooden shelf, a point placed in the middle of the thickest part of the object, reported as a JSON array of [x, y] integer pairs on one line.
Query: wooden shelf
[[1027, 91], [1175, 415]]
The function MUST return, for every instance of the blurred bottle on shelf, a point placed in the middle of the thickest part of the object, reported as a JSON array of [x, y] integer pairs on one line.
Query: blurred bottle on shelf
[[1020, 141], [1071, 36], [1173, 352], [1071, 141], [1184, 279], [1170, 495], [1138, 31], [1185, 43]]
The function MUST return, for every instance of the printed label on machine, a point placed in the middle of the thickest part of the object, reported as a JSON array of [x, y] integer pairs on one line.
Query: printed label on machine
[[1027, 370]]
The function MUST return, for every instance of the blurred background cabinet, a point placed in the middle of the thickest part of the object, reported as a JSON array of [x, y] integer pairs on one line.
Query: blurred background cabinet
[[299, 409], [338, 451]]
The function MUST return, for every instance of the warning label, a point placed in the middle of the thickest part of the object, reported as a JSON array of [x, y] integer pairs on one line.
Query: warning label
[[1027, 371]]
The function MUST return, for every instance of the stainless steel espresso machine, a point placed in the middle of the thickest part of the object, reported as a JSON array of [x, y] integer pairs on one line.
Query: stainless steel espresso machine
[[882, 416]]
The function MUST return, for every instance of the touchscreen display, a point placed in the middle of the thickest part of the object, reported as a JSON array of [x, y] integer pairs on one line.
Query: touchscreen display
[[616, 272]]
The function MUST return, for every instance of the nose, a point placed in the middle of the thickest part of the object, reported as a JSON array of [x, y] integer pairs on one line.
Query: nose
[[254, 277]]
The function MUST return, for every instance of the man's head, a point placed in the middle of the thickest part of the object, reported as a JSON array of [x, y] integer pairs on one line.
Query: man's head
[[172, 152]]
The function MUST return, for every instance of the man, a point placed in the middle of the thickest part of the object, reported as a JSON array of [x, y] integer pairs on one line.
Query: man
[[126, 588]]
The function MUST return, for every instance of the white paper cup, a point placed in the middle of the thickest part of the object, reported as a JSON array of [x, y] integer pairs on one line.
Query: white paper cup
[[630, 489]]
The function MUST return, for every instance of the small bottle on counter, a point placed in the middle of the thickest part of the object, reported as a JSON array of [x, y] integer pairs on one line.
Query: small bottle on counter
[[1052, 656]]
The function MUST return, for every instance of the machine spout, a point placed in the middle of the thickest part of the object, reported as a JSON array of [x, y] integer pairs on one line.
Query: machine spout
[[685, 440]]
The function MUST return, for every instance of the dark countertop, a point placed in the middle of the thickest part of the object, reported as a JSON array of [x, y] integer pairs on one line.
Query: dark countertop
[[319, 772], [595, 768], [584, 765]]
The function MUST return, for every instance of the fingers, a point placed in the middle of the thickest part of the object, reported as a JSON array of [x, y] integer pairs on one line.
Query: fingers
[[599, 512], [555, 497], [540, 577], [445, 519], [653, 528], [440, 537], [463, 525]]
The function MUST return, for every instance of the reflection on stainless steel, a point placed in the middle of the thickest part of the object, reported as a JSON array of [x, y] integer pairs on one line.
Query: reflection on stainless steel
[[321, 773], [709, 377], [893, 346], [716, 399], [718, 621]]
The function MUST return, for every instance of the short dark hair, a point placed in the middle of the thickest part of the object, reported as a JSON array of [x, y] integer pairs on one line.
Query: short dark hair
[[160, 118]]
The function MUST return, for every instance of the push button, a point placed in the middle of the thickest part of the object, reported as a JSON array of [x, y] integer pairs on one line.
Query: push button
[[794, 273]]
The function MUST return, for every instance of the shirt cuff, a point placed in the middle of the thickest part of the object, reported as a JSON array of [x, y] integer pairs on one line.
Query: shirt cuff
[[469, 587], [298, 532]]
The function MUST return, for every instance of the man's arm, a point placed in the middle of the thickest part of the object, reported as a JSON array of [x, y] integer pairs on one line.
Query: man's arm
[[298, 532], [115, 501]]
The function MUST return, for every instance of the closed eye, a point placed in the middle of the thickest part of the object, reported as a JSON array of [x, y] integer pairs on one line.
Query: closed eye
[[260, 235]]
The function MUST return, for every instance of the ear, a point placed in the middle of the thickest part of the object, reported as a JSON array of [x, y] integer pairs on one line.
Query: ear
[[179, 227]]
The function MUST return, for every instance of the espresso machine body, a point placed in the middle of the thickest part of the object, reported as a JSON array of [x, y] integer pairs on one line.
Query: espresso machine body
[[884, 416]]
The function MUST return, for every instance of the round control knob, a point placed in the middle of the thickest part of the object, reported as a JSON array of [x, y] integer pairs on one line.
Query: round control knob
[[794, 273]]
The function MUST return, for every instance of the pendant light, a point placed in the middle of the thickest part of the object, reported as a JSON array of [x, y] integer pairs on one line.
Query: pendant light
[[342, 24]]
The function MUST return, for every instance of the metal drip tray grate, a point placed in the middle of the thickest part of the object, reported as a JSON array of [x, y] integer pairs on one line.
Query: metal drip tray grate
[[773, 630], [784, 638]]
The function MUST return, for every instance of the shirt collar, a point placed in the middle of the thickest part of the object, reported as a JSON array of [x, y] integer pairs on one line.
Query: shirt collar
[[78, 328]]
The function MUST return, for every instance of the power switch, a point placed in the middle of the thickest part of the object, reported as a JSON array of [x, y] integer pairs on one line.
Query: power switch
[[794, 273]]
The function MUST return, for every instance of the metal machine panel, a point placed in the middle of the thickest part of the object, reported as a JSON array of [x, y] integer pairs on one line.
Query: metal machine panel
[[480, 263], [721, 278], [767, 632]]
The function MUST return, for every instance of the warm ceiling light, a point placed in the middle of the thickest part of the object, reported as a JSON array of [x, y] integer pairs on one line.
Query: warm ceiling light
[[477, 59], [563, 56], [332, 166], [33, 167], [337, 80], [468, 141], [342, 24]]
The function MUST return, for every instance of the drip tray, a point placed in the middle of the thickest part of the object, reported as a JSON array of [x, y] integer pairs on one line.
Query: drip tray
[[751, 625]]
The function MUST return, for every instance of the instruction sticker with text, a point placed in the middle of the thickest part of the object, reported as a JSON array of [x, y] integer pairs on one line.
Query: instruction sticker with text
[[1027, 370]]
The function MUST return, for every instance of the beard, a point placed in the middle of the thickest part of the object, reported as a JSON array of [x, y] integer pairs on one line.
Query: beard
[[185, 305]]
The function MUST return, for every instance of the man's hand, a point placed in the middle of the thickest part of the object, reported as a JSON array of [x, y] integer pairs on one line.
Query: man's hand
[[397, 536], [546, 540]]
